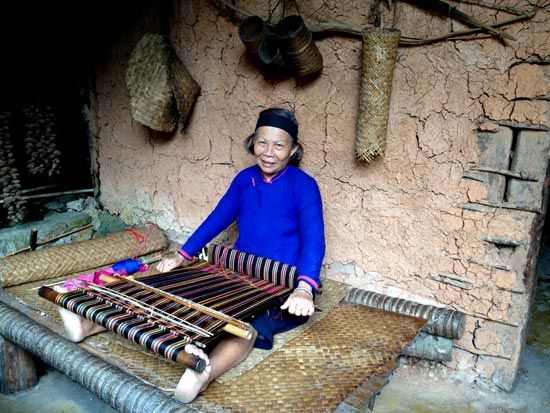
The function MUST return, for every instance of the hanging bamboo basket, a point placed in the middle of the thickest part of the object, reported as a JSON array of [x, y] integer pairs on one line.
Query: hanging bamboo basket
[[251, 32], [378, 63], [147, 77], [185, 89], [162, 91], [270, 54], [300, 49]]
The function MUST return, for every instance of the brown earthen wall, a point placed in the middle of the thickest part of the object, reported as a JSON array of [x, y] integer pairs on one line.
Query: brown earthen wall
[[421, 223]]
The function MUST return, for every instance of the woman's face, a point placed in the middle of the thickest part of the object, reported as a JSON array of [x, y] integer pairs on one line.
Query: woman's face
[[272, 148]]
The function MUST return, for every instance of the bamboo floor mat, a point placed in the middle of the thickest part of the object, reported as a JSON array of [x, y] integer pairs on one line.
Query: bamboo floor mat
[[147, 365], [318, 369], [344, 351]]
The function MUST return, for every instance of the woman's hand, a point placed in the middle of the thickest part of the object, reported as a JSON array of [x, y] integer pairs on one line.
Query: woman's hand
[[300, 302], [169, 263]]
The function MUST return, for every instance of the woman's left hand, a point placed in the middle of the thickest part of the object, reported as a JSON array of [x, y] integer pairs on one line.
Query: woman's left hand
[[299, 303]]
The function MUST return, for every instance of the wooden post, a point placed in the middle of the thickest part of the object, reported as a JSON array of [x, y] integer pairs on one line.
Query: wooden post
[[33, 239], [17, 368]]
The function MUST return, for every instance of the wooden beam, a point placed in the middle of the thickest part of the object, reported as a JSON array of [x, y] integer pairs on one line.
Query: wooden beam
[[17, 368]]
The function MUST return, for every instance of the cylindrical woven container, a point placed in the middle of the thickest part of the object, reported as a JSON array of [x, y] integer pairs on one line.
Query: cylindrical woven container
[[299, 48], [148, 81], [252, 31], [80, 256], [270, 54], [185, 88], [439, 321], [379, 57]]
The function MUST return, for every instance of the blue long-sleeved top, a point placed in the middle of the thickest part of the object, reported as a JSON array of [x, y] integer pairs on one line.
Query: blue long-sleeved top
[[281, 219]]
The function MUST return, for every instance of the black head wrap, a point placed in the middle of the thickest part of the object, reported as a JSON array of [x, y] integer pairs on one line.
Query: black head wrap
[[278, 121]]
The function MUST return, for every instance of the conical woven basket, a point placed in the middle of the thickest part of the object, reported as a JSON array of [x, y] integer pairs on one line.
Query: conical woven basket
[[378, 60], [299, 48], [185, 88], [148, 81], [80, 256]]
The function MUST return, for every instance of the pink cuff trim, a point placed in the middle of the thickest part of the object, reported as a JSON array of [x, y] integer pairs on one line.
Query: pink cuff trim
[[308, 280], [185, 255]]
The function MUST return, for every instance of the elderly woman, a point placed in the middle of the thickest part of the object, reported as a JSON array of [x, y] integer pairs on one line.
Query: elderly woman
[[279, 216]]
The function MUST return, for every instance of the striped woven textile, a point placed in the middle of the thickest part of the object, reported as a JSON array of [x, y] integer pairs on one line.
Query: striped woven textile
[[150, 316], [166, 342], [273, 271]]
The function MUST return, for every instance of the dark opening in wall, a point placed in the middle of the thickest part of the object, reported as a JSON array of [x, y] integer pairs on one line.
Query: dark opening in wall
[[50, 53], [45, 149], [43, 133], [538, 334]]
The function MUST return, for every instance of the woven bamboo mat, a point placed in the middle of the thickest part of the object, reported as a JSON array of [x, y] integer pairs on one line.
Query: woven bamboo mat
[[340, 353], [318, 369], [333, 293], [148, 366], [59, 260]]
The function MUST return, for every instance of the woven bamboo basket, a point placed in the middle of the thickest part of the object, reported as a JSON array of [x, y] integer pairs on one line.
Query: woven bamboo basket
[[185, 89], [378, 61], [252, 31], [270, 54], [300, 50], [148, 81], [80, 256]]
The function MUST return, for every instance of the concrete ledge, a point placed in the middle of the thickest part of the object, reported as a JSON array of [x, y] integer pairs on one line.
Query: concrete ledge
[[54, 224]]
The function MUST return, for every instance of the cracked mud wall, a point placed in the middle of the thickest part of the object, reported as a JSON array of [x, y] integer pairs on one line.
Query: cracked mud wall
[[424, 223]]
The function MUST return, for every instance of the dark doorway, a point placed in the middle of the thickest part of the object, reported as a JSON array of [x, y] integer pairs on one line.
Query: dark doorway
[[538, 335], [49, 52]]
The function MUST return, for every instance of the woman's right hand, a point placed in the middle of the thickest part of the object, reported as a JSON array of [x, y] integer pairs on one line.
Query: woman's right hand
[[169, 263]]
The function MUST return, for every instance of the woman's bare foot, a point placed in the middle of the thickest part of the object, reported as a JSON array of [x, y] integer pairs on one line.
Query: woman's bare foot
[[191, 382], [77, 328]]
